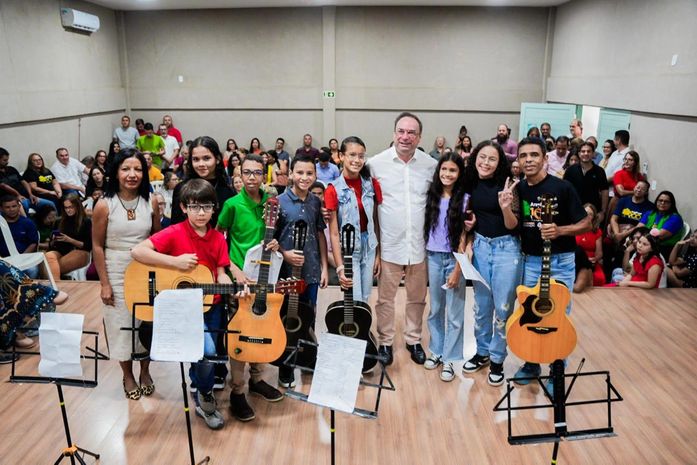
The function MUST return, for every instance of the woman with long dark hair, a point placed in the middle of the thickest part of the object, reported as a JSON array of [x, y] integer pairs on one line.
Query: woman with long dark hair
[[205, 162], [626, 179], [444, 233], [664, 222], [496, 255], [69, 248], [255, 146], [122, 219], [608, 149], [95, 180]]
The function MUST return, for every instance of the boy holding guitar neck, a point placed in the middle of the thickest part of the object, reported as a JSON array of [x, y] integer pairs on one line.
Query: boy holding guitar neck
[[242, 218], [570, 219], [297, 203], [184, 245]]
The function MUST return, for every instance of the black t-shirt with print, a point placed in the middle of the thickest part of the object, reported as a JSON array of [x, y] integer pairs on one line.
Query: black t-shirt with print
[[566, 207], [43, 180]]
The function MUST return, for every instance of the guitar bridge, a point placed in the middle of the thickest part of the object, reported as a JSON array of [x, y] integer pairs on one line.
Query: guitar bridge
[[255, 340], [541, 329]]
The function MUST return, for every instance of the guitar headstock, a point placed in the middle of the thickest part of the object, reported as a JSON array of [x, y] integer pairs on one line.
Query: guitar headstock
[[547, 213], [348, 239], [290, 286], [299, 234], [271, 209]]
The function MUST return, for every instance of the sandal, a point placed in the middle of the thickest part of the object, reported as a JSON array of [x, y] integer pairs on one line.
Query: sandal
[[132, 395], [147, 389]]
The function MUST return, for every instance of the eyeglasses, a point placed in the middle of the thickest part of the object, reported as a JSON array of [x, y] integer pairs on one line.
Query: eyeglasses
[[196, 208], [250, 173], [408, 132]]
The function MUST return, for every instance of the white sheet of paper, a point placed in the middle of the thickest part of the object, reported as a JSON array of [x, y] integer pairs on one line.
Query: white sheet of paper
[[468, 270], [60, 335], [177, 333], [251, 267], [337, 372]]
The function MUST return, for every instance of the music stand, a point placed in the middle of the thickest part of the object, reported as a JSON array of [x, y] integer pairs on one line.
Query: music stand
[[72, 450], [290, 362], [558, 402], [214, 359]]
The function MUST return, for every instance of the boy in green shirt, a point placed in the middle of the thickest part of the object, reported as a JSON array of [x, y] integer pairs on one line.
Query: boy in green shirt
[[242, 219], [152, 143]]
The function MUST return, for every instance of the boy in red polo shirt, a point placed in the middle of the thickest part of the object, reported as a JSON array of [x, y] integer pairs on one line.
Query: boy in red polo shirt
[[183, 246]]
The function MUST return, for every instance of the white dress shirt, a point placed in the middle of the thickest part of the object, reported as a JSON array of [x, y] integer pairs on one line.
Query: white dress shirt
[[401, 214], [70, 174]]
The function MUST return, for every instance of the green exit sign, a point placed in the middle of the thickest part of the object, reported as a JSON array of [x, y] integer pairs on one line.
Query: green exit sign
[[329, 94]]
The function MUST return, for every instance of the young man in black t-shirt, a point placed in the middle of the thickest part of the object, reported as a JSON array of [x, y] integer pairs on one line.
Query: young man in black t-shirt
[[569, 219]]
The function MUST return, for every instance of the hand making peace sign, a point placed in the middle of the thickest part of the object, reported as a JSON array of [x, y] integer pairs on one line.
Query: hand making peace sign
[[506, 194]]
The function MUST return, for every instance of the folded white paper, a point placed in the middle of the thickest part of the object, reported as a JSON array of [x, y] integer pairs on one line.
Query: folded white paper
[[251, 264], [468, 270], [60, 335], [337, 372], [177, 333]]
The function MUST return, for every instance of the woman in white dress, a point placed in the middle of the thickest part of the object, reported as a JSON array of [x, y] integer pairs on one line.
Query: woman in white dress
[[122, 219]]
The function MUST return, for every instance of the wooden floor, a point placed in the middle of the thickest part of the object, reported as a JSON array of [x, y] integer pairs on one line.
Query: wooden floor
[[646, 339]]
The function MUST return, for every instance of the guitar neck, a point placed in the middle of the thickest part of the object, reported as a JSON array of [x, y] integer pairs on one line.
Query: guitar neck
[[293, 298], [546, 269], [264, 266], [348, 293]]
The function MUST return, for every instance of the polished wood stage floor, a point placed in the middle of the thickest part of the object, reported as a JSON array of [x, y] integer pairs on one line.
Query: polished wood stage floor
[[645, 339]]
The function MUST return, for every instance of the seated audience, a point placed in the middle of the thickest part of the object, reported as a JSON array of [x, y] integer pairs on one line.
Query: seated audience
[[69, 248], [255, 146], [438, 148], [41, 180], [647, 265], [279, 172], [89, 203], [557, 157], [170, 182], [154, 173], [608, 149], [682, 271], [151, 142], [24, 232], [326, 172], [589, 254], [11, 182], [626, 178], [664, 222], [100, 160], [45, 221], [69, 172], [96, 180]]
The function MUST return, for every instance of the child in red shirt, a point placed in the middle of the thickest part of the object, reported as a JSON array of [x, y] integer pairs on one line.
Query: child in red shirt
[[647, 265], [183, 246]]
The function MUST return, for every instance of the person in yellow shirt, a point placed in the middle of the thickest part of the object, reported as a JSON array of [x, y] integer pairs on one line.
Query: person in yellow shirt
[[154, 172]]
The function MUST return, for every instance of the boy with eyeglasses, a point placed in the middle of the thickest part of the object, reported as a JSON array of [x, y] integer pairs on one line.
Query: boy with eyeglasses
[[242, 218], [183, 246]]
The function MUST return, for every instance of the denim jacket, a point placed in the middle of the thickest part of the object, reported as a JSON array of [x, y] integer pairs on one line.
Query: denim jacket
[[348, 208]]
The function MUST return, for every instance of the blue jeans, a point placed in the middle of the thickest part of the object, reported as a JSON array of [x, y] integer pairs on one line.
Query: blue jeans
[[202, 373], [562, 268], [26, 203], [447, 315], [363, 262], [500, 263]]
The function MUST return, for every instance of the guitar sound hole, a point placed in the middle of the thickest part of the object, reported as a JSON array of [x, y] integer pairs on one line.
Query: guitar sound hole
[[292, 324], [348, 330], [543, 306], [184, 285]]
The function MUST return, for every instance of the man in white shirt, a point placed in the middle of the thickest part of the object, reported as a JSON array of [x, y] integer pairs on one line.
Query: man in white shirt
[[614, 163], [171, 147], [68, 172], [557, 157], [125, 135], [404, 174]]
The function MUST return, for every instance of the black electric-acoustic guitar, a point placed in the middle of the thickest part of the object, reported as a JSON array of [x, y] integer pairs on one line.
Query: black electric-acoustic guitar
[[350, 317], [297, 316]]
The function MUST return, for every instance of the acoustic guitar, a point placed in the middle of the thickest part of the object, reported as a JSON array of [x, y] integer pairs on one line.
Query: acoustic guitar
[[539, 331], [296, 315], [258, 334], [142, 283], [348, 317]]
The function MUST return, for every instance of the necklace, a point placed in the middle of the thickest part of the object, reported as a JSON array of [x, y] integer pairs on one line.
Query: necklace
[[131, 208]]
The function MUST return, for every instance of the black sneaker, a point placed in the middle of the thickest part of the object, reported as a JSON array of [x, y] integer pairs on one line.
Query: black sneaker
[[240, 408], [286, 377], [219, 383], [496, 374], [265, 390], [476, 363]]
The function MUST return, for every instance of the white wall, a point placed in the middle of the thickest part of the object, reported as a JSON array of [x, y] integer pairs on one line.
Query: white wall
[[56, 87]]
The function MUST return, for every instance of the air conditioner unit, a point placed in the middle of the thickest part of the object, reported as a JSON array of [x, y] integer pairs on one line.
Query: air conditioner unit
[[80, 20]]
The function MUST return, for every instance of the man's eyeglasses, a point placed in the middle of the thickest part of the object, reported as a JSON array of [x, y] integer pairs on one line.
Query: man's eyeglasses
[[196, 208], [250, 173]]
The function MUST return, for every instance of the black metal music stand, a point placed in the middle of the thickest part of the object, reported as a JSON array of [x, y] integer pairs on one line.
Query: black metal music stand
[[214, 359], [290, 362], [558, 402], [72, 451]]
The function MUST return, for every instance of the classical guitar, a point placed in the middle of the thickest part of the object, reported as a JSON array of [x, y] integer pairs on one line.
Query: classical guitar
[[539, 330], [142, 283], [296, 315], [258, 335], [350, 317]]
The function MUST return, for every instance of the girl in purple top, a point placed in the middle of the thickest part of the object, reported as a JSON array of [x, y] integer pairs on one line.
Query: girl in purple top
[[444, 233]]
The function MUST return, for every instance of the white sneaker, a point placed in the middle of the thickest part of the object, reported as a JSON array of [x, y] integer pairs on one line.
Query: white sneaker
[[447, 373], [432, 362]]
